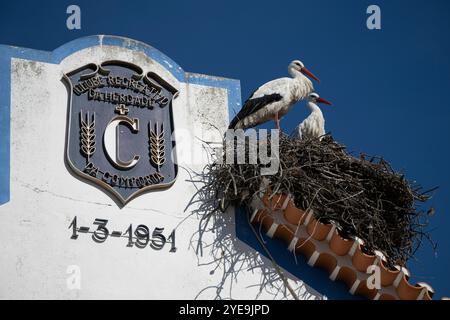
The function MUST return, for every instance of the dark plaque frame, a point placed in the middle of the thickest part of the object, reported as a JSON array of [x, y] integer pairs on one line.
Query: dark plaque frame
[[120, 129]]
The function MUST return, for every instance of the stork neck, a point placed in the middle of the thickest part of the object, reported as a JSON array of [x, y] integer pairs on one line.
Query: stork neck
[[305, 82], [313, 107], [294, 73], [302, 85]]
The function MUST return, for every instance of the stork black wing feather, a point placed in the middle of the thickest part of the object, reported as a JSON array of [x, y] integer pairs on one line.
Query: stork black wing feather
[[253, 105]]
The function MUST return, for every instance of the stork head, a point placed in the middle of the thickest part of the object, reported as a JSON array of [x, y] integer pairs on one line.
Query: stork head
[[315, 98], [297, 66]]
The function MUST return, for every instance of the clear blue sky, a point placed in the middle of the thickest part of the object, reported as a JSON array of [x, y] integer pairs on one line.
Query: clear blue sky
[[390, 87]]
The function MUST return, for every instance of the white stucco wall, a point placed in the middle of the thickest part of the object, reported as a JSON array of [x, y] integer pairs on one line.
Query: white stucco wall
[[35, 244]]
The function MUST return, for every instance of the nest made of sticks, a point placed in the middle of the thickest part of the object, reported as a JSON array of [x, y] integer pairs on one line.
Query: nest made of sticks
[[364, 196]]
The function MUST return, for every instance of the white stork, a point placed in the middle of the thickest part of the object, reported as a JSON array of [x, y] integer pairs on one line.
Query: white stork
[[273, 99], [314, 125]]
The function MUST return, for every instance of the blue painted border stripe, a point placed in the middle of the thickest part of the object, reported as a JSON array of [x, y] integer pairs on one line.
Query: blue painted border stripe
[[149, 51], [5, 97], [233, 87]]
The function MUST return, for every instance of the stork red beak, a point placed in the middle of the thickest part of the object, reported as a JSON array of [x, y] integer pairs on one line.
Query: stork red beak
[[309, 74], [322, 100]]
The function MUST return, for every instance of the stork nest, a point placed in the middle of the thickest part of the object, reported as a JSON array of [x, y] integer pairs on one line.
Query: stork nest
[[363, 195]]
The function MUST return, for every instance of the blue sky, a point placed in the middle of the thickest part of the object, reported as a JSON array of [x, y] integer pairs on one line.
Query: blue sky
[[389, 86]]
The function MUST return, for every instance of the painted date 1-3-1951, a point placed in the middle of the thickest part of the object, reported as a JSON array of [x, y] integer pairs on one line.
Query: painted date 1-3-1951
[[139, 236]]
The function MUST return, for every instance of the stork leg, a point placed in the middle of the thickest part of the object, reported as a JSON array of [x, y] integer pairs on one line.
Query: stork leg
[[277, 121]]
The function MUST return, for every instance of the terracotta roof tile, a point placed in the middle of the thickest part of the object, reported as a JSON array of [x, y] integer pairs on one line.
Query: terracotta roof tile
[[324, 247]]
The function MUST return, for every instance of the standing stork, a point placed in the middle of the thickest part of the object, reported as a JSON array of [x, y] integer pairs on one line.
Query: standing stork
[[314, 125], [273, 99]]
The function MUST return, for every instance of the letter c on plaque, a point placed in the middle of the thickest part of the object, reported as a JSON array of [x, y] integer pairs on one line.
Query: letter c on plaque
[[111, 141]]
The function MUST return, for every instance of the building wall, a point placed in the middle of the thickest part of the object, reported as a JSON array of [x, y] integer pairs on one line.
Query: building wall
[[44, 196]]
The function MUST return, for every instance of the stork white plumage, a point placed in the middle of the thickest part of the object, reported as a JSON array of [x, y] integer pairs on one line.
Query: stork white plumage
[[314, 124], [273, 99]]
